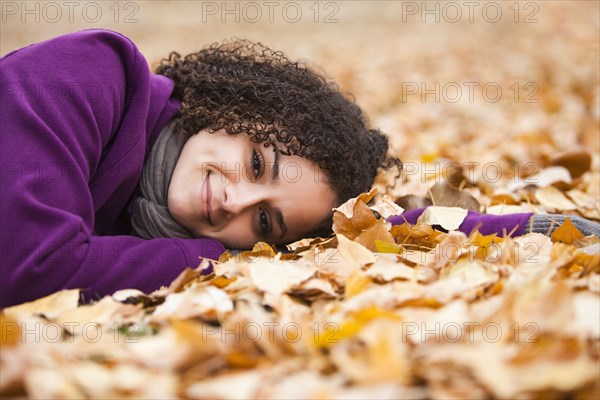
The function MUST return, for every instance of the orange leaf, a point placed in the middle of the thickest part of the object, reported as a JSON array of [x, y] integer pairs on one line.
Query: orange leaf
[[566, 233]]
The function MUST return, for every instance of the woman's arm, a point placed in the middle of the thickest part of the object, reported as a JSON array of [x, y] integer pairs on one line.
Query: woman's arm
[[513, 224], [77, 115]]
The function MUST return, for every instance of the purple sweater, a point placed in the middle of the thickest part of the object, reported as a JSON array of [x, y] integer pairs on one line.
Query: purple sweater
[[78, 115]]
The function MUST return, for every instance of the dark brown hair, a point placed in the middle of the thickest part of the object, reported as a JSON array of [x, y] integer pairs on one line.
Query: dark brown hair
[[245, 87]]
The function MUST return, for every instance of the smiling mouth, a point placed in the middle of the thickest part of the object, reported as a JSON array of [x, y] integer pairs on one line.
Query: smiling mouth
[[205, 199]]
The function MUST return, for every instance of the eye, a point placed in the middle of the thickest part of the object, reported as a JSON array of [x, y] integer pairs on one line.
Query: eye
[[264, 221], [257, 164]]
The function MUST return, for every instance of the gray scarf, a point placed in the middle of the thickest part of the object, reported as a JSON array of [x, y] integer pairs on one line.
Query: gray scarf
[[151, 217]]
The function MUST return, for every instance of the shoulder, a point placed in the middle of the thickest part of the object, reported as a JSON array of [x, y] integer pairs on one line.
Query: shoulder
[[80, 50], [72, 41]]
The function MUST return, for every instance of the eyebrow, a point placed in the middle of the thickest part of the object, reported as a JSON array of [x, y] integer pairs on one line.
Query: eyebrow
[[275, 170], [282, 226]]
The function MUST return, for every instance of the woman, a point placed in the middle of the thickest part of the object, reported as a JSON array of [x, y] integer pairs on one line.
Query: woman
[[231, 145], [114, 177]]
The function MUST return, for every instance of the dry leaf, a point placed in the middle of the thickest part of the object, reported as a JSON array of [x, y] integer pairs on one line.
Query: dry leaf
[[448, 218], [445, 195], [50, 306], [348, 208], [386, 208], [378, 232], [566, 233], [277, 277], [207, 302], [546, 177], [554, 199], [388, 267], [411, 202], [577, 162]]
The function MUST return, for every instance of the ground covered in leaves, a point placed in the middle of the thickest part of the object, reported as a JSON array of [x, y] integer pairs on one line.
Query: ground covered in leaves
[[377, 311]]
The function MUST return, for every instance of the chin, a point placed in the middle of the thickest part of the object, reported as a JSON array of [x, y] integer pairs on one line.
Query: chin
[[236, 245]]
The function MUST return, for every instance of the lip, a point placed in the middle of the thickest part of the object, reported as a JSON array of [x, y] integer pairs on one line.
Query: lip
[[205, 198]]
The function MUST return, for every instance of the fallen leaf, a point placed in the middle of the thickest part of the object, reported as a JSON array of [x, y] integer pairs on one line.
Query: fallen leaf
[[207, 302], [50, 306], [277, 277], [566, 233], [554, 199], [386, 208], [545, 177], [387, 268], [348, 208], [577, 162], [443, 194], [378, 232], [412, 202], [356, 283], [448, 218]]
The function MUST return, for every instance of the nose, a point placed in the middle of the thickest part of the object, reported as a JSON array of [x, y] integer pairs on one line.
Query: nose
[[239, 197]]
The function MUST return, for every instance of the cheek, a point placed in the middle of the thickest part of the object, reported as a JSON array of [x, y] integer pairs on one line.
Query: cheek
[[238, 233]]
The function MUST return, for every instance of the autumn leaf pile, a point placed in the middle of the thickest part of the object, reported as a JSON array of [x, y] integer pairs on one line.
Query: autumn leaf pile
[[381, 311], [374, 311]]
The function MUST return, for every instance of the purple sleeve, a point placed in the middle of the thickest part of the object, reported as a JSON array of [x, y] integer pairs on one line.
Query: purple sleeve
[[487, 224], [63, 101]]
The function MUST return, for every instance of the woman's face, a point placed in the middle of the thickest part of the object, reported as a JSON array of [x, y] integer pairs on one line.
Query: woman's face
[[239, 192]]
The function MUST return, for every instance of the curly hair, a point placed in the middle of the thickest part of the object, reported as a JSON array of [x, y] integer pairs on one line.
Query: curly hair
[[245, 87]]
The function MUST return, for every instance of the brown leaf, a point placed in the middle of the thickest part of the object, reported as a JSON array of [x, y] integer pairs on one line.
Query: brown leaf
[[411, 202], [362, 218], [578, 162], [445, 195], [348, 208], [376, 232]]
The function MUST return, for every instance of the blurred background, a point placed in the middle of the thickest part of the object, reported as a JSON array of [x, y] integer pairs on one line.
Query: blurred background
[[505, 82]]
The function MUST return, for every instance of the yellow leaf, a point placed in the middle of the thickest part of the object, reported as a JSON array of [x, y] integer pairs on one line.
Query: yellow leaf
[[260, 250], [385, 247], [242, 359], [356, 283], [566, 233], [333, 333], [429, 158], [10, 334], [480, 240], [483, 244], [426, 302], [221, 281]]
